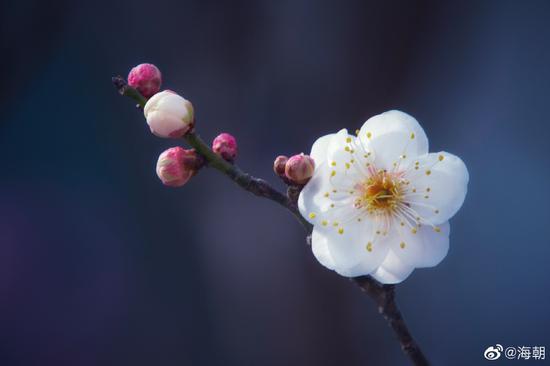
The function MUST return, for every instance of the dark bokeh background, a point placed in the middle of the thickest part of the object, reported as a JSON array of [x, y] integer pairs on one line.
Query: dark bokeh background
[[102, 265]]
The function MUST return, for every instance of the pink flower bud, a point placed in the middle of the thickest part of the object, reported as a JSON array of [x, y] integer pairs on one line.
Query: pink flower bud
[[146, 78], [279, 165], [176, 166], [169, 115], [225, 145], [299, 168]]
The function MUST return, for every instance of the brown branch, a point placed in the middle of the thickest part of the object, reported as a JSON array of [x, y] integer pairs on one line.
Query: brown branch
[[256, 186], [383, 295]]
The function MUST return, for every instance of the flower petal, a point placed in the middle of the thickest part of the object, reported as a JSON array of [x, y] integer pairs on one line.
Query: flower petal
[[365, 267], [438, 186], [393, 270], [319, 203], [344, 160], [390, 136], [336, 148], [426, 248], [320, 250], [319, 149], [352, 246]]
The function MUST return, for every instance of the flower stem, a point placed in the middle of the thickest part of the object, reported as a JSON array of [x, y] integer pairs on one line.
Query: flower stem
[[383, 295]]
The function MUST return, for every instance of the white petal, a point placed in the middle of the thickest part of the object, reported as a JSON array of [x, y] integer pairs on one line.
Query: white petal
[[392, 270], [319, 149], [436, 247], [440, 185], [343, 159], [426, 248], [330, 193], [365, 267], [336, 146], [348, 245], [391, 135], [168, 114], [320, 250], [310, 199], [318, 202], [345, 148]]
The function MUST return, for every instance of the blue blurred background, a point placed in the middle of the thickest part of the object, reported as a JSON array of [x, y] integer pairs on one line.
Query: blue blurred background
[[101, 265]]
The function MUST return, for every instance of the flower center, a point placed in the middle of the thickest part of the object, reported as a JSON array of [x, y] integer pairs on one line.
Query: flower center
[[380, 193]]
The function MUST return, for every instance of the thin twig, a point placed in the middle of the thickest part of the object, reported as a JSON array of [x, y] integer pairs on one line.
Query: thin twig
[[383, 295], [254, 185], [126, 90]]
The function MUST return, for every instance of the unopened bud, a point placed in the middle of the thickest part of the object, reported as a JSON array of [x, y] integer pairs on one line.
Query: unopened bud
[[299, 168], [279, 165], [146, 78], [225, 145], [169, 115], [176, 166]]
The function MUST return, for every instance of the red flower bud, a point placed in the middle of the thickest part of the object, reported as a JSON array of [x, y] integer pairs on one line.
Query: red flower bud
[[225, 145], [279, 165], [176, 166], [299, 168], [146, 78]]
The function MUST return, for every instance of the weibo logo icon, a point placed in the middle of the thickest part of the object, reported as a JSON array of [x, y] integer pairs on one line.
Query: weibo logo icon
[[493, 352]]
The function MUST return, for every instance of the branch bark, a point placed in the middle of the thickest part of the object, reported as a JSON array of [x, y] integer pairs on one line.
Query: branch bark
[[383, 295], [256, 186]]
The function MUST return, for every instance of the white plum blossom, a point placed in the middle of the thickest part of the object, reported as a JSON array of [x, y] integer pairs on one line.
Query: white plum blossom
[[379, 202], [169, 115]]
